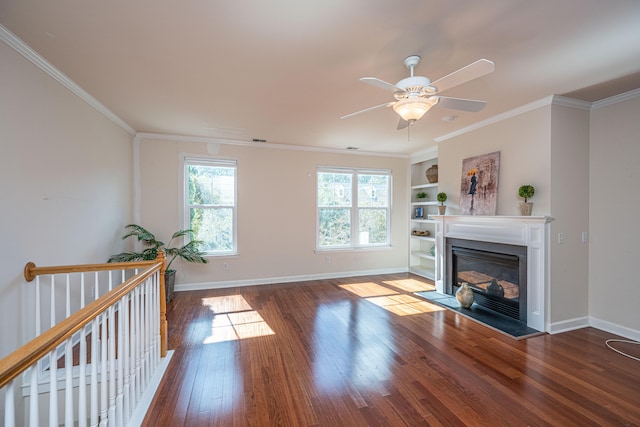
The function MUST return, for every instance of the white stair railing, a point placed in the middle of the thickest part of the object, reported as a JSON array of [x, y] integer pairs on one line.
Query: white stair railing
[[92, 365]]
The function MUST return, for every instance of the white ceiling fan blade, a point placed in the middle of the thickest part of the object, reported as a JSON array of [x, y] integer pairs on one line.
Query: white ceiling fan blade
[[461, 104], [386, 104], [472, 71], [379, 83]]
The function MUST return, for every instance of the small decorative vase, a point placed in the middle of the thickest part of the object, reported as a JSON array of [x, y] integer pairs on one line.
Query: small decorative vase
[[525, 208], [464, 295], [442, 210], [432, 174]]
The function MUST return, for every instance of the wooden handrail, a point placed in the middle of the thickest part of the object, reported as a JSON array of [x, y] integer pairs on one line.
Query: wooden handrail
[[18, 361], [31, 271]]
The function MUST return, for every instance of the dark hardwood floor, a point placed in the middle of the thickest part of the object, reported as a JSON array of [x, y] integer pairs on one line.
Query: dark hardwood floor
[[366, 352]]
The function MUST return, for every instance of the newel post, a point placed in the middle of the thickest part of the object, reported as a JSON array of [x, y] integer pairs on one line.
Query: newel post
[[163, 307]]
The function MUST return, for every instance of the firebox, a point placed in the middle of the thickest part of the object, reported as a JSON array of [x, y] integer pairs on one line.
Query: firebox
[[496, 272]]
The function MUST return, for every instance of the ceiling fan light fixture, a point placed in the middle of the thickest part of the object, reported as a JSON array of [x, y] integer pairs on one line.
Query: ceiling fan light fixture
[[412, 109]]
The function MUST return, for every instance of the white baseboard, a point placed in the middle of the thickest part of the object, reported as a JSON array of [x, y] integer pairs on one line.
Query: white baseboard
[[285, 279], [568, 325], [623, 331], [583, 322]]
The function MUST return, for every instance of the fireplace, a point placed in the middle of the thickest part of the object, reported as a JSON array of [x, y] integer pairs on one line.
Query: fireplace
[[530, 233], [496, 272]]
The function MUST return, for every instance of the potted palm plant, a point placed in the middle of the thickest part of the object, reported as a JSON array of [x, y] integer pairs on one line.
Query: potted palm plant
[[526, 192], [442, 197], [189, 252]]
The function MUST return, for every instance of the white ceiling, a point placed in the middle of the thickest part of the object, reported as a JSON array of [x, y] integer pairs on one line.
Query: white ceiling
[[287, 70]]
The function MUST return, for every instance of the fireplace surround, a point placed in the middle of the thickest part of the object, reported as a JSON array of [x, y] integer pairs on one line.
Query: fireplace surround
[[530, 233]]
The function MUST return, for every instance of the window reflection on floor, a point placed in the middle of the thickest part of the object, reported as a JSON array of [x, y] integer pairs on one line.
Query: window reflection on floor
[[394, 301], [234, 319]]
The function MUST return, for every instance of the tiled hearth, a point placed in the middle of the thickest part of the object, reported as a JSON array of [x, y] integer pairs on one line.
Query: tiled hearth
[[532, 232]]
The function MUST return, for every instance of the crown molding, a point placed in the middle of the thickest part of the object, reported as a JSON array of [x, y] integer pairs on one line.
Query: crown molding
[[635, 93], [268, 145], [25, 50]]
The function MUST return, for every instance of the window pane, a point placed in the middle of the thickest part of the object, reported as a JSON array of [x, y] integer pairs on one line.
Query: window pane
[[214, 226], [335, 227], [373, 226], [209, 185], [334, 189], [373, 191]]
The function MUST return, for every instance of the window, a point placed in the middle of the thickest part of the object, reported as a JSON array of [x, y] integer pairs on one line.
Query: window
[[210, 203], [354, 208]]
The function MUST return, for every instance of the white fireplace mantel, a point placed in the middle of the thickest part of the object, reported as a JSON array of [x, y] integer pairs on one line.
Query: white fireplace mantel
[[530, 231]]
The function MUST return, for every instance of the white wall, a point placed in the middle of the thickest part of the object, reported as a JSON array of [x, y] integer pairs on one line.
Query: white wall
[[276, 212], [570, 207], [65, 182], [614, 204], [524, 145]]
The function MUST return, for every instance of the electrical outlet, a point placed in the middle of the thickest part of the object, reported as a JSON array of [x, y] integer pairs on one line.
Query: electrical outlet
[[327, 260], [560, 238], [225, 266], [585, 237]]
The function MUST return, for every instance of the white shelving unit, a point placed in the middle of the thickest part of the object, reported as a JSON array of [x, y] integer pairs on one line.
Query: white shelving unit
[[422, 254]]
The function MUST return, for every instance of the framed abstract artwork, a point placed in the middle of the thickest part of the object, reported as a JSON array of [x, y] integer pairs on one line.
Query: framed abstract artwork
[[479, 184]]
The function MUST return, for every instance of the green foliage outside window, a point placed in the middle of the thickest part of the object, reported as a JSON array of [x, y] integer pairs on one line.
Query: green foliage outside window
[[211, 201]]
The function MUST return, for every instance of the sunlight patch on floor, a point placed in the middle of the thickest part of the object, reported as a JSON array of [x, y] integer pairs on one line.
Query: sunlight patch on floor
[[404, 305], [410, 285], [393, 301], [368, 289], [234, 319]]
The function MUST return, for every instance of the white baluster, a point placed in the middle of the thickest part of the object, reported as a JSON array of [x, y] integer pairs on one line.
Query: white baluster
[[95, 343], [53, 302], [82, 296], [112, 364], [147, 332], [126, 327], [38, 309], [120, 364], [9, 406], [34, 410], [104, 381], [68, 385], [53, 389], [82, 375], [68, 297], [138, 349]]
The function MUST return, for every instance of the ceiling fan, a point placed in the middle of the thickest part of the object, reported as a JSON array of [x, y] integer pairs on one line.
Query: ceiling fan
[[415, 95]]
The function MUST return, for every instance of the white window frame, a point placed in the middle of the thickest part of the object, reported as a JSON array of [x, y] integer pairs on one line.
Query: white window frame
[[212, 162], [354, 209]]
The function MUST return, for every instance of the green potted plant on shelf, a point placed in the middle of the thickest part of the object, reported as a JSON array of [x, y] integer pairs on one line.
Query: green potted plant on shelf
[[442, 197], [189, 252], [526, 192], [421, 196]]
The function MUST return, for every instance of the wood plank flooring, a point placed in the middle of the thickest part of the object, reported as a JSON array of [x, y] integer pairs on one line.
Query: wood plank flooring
[[366, 352]]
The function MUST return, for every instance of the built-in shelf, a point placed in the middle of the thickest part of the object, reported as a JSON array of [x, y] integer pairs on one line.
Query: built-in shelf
[[422, 186], [422, 254], [421, 261], [425, 238]]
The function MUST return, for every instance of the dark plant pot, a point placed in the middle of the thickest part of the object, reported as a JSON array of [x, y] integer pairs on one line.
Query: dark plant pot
[[169, 284]]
